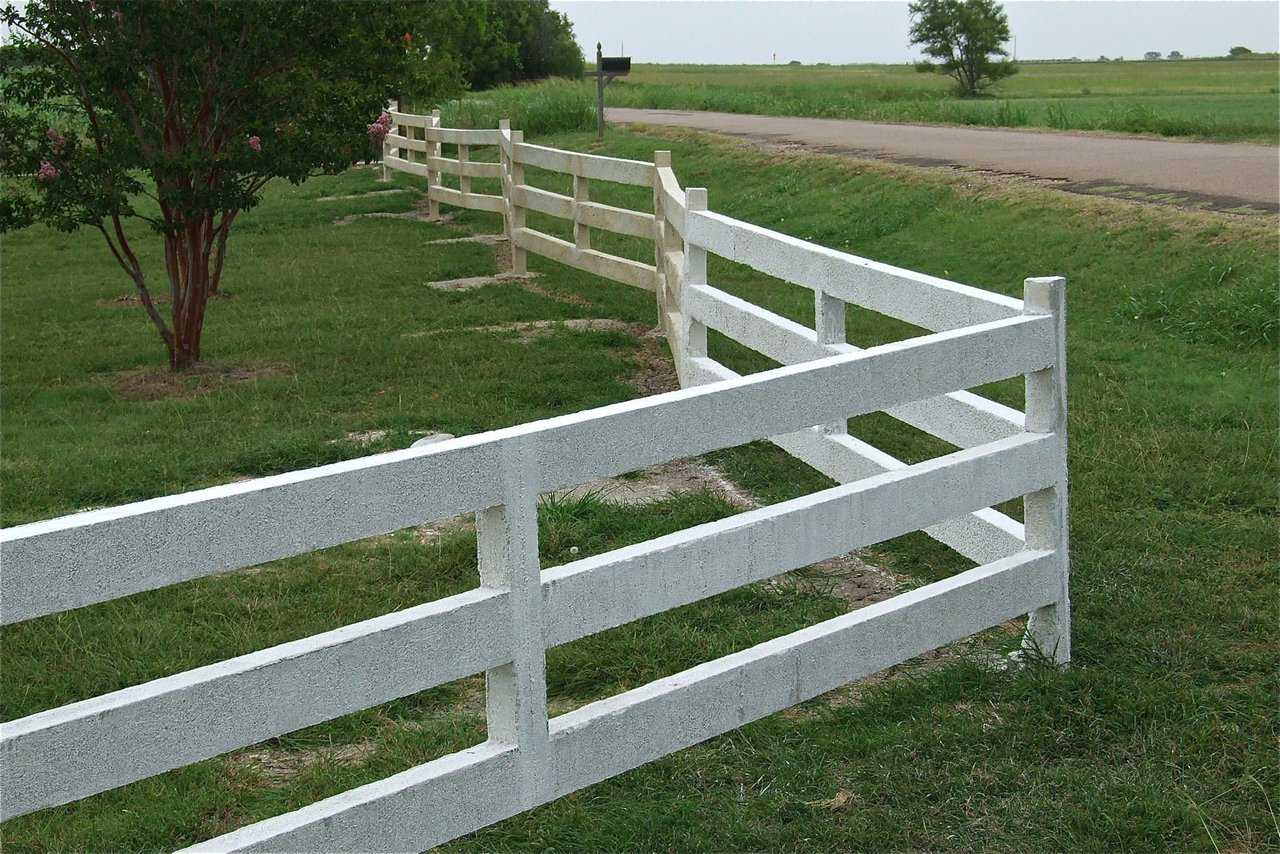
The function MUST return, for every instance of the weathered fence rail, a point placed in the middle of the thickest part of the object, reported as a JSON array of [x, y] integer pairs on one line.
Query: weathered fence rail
[[504, 626]]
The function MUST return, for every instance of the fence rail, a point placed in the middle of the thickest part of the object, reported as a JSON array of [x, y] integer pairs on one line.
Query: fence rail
[[518, 611]]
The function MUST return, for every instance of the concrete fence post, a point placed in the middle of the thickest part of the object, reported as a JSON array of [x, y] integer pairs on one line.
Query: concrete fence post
[[661, 160], [829, 326], [581, 193], [433, 175], [1045, 512], [464, 156], [695, 273], [519, 257], [504, 166], [516, 692]]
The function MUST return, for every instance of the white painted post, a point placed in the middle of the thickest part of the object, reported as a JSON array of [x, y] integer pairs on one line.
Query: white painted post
[[516, 692], [1045, 512], [519, 258], [464, 155], [829, 324], [504, 166], [433, 177], [581, 193], [695, 273], [661, 160]]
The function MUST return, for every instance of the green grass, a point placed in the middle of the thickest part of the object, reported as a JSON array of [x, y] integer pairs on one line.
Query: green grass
[[1161, 736], [550, 106], [1211, 99]]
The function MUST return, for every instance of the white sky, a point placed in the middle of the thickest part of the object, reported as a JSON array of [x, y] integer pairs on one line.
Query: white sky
[[838, 31]]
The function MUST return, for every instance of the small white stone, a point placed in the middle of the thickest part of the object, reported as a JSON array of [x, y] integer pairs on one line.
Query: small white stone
[[431, 439]]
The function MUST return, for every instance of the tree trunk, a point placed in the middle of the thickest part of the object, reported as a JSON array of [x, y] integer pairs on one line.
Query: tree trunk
[[188, 260]]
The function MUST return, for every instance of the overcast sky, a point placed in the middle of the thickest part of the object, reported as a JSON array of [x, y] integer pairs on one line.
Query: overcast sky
[[737, 31]]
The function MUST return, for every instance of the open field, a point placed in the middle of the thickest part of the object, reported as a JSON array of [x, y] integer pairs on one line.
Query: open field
[[1160, 736], [1209, 99]]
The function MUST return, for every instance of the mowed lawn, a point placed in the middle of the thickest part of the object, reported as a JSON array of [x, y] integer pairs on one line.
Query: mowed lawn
[[1161, 735], [1212, 99]]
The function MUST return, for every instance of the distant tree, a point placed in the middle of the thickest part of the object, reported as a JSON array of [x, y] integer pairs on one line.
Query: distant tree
[[1151, 55], [543, 37], [1173, 54], [1239, 50], [178, 114], [479, 44], [961, 37], [1103, 58]]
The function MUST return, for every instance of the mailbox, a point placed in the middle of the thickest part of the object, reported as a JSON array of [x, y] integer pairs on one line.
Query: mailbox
[[616, 66]]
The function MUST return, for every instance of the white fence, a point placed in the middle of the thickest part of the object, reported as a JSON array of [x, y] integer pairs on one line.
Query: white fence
[[504, 626]]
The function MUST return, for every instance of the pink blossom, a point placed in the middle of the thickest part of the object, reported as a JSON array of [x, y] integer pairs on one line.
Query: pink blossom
[[57, 140], [48, 173], [255, 143], [381, 127]]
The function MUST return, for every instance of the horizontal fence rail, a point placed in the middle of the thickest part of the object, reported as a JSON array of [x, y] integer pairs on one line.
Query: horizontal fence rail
[[504, 626]]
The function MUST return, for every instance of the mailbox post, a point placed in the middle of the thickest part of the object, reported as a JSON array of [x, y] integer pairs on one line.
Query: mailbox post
[[607, 68]]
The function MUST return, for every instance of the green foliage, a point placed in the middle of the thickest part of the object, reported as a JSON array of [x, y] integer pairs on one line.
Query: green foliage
[[179, 114], [1239, 50], [552, 106], [479, 44], [961, 37]]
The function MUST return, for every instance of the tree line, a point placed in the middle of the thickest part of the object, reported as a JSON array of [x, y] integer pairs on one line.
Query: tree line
[[480, 44]]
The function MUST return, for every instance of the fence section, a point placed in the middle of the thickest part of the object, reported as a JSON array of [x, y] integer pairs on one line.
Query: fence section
[[504, 626]]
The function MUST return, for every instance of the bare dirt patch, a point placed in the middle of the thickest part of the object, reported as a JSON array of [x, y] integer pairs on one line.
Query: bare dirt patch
[[483, 239], [470, 283], [365, 195], [420, 213], [133, 300], [659, 482], [503, 264], [529, 330], [847, 577], [638, 488], [655, 369], [276, 767], [524, 280], [502, 257], [158, 384], [566, 297], [414, 215], [363, 438]]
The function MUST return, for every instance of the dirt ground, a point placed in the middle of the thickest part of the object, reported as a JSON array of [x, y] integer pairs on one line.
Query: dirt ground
[[1217, 176]]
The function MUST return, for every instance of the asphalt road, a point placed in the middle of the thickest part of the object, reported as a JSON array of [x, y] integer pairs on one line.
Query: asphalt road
[[1222, 176]]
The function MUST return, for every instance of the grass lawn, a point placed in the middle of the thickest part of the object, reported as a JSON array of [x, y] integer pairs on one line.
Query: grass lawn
[[1212, 99], [1161, 735]]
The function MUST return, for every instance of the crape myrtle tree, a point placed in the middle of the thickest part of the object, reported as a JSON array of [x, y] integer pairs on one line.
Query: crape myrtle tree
[[177, 113], [961, 37]]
